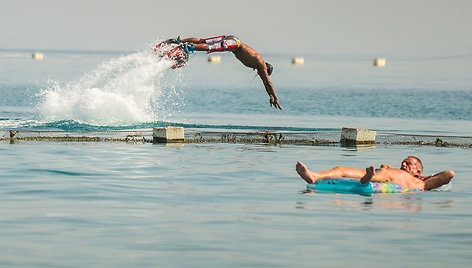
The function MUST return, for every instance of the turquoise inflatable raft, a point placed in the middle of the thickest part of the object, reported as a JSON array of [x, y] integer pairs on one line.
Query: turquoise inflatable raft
[[353, 186]]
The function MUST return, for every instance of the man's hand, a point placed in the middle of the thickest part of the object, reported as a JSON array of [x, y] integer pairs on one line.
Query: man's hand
[[274, 102], [385, 166]]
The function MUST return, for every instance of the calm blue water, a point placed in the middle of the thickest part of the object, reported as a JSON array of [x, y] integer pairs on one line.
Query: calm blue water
[[230, 205]]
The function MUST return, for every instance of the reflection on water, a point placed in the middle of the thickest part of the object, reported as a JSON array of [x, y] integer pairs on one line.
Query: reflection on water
[[399, 202]]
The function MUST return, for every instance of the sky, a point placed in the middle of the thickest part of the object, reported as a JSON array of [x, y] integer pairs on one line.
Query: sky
[[349, 27]]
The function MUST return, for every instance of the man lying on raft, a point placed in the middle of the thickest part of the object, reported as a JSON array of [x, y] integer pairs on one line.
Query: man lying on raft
[[409, 174], [244, 53]]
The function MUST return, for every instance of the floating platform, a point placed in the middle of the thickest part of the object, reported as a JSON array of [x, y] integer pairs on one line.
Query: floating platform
[[315, 138]]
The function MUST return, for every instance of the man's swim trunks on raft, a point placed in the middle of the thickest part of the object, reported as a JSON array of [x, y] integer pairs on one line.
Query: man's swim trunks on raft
[[353, 186]]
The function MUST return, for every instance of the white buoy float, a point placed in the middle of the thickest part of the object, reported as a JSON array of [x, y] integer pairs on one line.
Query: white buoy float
[[298, 60], [38, 56], [380, 62], [214, 59]]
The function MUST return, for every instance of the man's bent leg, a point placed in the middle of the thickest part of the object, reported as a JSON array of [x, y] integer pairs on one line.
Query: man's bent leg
[[342, 172], [191, 39], [311, 177], [201, 47]]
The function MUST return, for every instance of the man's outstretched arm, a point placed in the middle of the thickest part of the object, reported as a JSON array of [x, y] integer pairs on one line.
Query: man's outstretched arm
[[269, 87]]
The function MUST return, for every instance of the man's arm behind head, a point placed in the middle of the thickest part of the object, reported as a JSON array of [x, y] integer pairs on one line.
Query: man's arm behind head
[[438, 180]]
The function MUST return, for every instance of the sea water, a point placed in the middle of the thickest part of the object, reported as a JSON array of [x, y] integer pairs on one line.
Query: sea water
[[231, 205]]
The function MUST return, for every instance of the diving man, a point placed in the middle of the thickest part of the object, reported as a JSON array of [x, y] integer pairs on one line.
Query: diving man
[[244, 53]]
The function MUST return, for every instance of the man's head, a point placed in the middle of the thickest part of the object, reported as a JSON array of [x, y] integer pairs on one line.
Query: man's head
[[269, 68], [412, 165]]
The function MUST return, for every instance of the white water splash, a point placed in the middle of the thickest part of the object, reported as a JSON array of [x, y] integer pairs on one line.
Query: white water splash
[[122, 91]]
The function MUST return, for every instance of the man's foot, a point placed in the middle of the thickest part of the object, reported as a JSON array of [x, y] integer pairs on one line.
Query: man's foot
[[306, 174], [369, 173]]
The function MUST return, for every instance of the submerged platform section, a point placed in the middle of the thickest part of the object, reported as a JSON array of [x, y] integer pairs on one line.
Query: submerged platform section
[[365, 138]]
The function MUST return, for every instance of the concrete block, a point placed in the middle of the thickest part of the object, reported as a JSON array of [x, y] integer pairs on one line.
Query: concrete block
[[168, 134], [357, 136]]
